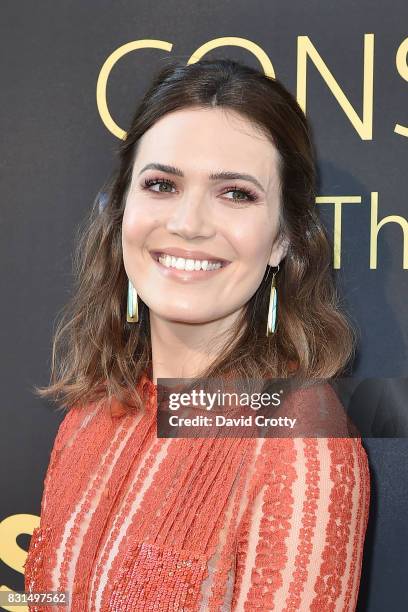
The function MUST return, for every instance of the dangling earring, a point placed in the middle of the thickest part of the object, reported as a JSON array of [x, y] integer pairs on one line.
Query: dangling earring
[[273, 306], [132, 306]]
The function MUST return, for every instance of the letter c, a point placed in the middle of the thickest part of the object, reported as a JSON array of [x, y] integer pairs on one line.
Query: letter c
[[106, 70]]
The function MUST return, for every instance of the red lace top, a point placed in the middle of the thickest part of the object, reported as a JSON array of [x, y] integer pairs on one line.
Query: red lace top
[[133, 522]]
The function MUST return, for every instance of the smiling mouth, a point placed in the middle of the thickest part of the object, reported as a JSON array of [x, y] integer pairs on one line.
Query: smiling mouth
[[188, 264]]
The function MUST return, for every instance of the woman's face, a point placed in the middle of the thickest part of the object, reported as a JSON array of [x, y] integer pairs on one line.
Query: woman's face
[[182, 203]]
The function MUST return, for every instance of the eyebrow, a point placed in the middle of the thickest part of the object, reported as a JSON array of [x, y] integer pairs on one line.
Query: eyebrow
[[214, 176]]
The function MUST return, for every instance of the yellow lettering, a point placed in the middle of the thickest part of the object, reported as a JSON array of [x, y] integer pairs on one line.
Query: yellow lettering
[[306, 49], [376, 226], [338, 201], [11, 554], [402, 67], [106, 70]]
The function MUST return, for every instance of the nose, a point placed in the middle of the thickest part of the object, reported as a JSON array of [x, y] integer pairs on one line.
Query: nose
[[191, 217]]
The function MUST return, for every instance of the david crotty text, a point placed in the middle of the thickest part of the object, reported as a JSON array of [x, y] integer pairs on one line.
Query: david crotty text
[[221, 421]]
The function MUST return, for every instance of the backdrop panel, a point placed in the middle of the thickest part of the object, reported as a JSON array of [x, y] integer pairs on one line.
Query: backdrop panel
[[346, 63]]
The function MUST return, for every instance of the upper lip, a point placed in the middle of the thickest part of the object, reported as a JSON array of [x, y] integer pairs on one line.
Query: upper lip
[[187, 254]]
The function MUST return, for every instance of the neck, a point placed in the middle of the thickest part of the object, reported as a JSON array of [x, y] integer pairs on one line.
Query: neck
[[184, 350]]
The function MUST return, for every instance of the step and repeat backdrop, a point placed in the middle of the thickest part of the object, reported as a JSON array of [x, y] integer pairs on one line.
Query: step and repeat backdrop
[[72, 73]]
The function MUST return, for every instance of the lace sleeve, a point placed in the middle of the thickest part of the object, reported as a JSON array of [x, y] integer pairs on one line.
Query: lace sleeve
[[300, 540]]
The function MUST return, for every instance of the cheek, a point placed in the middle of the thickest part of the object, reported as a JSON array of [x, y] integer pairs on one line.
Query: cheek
[[134, 227], [252, 242]]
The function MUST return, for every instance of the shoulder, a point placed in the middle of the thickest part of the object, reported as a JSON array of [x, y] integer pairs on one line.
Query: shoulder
[[81, 425], [69, 423], [316, 409], [75, 419]]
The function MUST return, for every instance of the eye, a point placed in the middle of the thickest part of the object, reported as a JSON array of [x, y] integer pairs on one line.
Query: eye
[[148, 183], [165, 186], [244, 194]]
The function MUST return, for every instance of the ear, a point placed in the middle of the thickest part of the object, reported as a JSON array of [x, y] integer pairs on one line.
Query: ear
[[279, 250]]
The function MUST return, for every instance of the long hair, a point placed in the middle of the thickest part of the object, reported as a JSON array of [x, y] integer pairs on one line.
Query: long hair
[[97, 354]]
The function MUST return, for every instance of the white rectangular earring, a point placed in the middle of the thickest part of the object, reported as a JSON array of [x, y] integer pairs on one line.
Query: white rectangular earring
[[273, 307], [132, 305]]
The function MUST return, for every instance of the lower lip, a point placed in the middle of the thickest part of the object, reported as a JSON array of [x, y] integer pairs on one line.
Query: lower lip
[[187, 275]]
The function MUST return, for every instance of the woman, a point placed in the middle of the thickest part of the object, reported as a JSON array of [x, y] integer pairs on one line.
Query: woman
[[217, 168]]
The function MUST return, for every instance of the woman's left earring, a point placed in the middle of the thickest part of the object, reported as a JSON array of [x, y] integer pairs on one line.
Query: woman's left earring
[[273, 307], [132, 306]]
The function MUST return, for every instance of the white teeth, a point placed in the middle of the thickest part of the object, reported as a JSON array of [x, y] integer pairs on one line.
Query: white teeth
[[188, 264]]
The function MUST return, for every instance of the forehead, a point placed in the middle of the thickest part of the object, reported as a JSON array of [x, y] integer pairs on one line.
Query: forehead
[[202, 140]]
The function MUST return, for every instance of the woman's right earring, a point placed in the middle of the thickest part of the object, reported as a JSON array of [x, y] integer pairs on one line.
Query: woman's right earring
[[273, 307], [132, 305]]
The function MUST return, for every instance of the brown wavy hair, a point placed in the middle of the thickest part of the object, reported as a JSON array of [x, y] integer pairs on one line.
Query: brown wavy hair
[[97, 354]]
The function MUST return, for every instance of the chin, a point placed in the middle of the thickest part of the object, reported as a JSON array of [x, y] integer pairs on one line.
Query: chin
[[182, 316]]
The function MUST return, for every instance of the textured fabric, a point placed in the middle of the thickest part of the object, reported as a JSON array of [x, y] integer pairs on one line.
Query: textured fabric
[[133, 522]]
